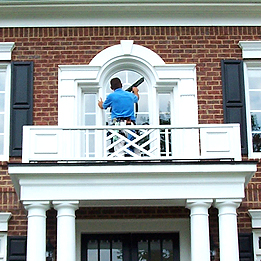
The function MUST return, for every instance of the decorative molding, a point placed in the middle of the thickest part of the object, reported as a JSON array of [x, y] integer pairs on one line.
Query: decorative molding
[[4, 218], [129, 13], [250, 49], [6, 49]]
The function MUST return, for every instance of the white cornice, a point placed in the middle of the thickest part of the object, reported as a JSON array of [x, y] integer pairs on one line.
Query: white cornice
[[4, 218], [128, 13], [6, 49], [250, 49]]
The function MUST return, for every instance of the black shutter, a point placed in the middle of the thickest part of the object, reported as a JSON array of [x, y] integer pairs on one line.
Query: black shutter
[[234, 97], [246, 247], [21, 103], [16, 248]]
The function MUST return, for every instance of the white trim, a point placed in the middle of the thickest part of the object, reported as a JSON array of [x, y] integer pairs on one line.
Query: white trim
[[4, 218], [250, 49], [3, 246], [7, 68], [129, 13], [137, 226], [6, 50], [248, 65]]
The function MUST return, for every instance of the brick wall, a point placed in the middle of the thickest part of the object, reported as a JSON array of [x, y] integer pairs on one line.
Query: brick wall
[[50, 47]]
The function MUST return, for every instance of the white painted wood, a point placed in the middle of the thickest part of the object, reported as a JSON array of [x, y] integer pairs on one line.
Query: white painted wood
[[129, 13], [36, 232], [228, 233]]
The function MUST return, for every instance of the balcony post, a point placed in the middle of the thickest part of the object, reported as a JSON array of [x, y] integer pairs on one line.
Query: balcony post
[[66, 243], [199, 225], [36, 232], [228, 235]]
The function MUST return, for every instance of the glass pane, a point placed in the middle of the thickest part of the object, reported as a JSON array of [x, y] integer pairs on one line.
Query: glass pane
[[155, 250], [2, 102], [256, 138], [256, 121], [105, 250], [143, 105], [2, 81], [1, 144], [254, 79], [90, 102], [164, 108], [167, 250], [92, 252], [116, 251], [1, 123], [255, 100], [142, 119], [143, 251], [90, 119]]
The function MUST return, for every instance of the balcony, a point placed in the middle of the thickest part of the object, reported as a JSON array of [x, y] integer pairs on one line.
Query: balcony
[[164, 142]]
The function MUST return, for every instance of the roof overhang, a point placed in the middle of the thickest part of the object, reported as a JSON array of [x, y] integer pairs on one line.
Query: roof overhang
[[131, 183], [59, 13]]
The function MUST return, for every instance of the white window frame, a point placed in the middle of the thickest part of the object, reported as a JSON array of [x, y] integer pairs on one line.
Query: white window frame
[[3, 245], [249, 65], [6, 49], [6, 67], [251, 53]]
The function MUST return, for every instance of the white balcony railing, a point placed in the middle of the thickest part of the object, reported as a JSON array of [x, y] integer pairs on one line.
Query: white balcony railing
[[53, 143]]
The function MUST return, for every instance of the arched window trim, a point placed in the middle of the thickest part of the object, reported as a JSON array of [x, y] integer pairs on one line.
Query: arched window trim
[[75, 79]]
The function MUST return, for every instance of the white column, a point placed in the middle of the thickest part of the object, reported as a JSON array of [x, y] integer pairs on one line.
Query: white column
[[66, 230], [199, 224], [228, 235], [36, 231]]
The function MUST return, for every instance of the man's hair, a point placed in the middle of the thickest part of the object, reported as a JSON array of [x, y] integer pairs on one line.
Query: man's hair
[[116, 83]]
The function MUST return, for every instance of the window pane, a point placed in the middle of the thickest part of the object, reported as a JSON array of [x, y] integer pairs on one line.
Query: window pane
[[142, 119], [256, 121], [254, 79], [164, 108], [256, 142], [90, 102], [1, 144], [2, 102], [255, 100], [2, 81], [1, 123], [90, 120]]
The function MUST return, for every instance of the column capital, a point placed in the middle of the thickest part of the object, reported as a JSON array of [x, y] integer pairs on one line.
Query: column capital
[[199, 203], [45, 205], [70, 204], [227, 205]]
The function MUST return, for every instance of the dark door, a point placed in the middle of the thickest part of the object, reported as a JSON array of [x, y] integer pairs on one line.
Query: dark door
[[130, 247]]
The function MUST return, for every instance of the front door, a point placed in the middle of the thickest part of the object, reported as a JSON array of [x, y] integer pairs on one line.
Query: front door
[[130, 247]]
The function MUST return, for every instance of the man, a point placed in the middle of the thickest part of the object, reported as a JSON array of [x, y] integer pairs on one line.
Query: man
[[122, 106]]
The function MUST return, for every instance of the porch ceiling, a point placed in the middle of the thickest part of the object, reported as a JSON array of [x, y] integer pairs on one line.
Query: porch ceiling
[[141, 183]]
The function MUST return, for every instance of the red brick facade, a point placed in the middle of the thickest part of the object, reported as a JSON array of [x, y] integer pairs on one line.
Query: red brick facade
[[50, 47]]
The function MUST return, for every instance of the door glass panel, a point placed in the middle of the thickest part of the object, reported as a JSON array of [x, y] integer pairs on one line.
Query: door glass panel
[[143, 250], [167, 250], [132, 247], [92, 251], [155, 250]]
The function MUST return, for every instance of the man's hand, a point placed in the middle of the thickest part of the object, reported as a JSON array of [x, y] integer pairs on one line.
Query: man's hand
[[136, 91], [100, 103]]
